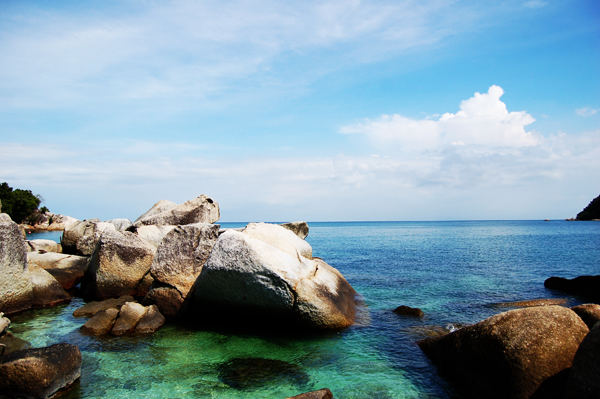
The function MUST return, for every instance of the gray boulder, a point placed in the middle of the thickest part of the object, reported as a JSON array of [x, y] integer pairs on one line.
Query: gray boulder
[[178, 262], [46, 290], [120, 224], [43, 245], [511, 354], [161, 206], [118, 266], [39, 372], [298, 228], [81, 238], [584, 378], [249, 277], [16, 290], [198, 210], [152, 234], [68, 270]]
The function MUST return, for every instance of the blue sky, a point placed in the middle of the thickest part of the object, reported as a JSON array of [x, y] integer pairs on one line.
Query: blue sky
[[328, 110]]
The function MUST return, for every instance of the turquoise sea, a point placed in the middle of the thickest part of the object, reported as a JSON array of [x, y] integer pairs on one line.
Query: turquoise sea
[[454, 271]]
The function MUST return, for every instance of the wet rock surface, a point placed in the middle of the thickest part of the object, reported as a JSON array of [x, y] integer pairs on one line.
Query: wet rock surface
[[404, 310]]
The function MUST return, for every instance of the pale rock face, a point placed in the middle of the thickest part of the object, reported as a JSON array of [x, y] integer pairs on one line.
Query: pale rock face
[[66, 269], [62, 222], [120, 224], [198, 210], [158, 208], [81, 238], [153, 234], [244, 272], [47, 291], [44, 245], [118, 266], [279, 237], [16, 290]]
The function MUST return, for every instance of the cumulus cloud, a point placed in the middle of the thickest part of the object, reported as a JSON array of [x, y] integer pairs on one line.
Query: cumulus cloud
[[482, 122], [587, 111]]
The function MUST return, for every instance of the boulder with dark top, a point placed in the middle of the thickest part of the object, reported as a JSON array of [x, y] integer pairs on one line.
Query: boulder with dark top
[[298, 228], [324, 393], [151, 322], [44, 246], [265, 280], [508, 355], [101, 323], [68, 270], [584, 286], [178, 262], [201, 209], [589, 313], [531, 302], [584, 378], [404, 310], [81, 238], [40, 372], [46, 290], [118, 266], [91, 308], [129, 316], [16, 290]]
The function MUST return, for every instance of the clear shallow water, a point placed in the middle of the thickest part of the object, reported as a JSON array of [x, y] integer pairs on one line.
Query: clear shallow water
[[453, 271]]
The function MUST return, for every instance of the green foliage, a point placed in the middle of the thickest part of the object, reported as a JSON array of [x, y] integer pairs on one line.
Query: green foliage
[[19, 204], [592, 211]]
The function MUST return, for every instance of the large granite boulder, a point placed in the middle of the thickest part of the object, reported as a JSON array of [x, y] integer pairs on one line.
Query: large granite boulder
[[279, 237], [81, 238], [511, 354], [152, 234], [119, 266], [16, 290], [39, 372], [589, 313], [248, 278], [201, 209], [68, 270], [298, 228], [178, 262], [43, 245], [46, 290], [61, 222], [585, 286], [584, 378], [121, 224]]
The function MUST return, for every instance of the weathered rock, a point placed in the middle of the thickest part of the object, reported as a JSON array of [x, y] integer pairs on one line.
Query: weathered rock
[[4, 323], [584, 378], [39, 372], [298, 228], [43, 245], [432, 331], [151, 322], [68, 270], [324, 393], [101, 323], [254, 280], [12, 343], [16, 290], [161, 206], [585, 286], [280, 238], [152, 234], [178, 262], [404, 310], [81, 238], [5, 218], [198, 210], [129, 316], [531, 302], [510, 354], [589, 313], [61, 222], [91, 308], [46, 290], [251, 373], [118, 266], [120, 224]]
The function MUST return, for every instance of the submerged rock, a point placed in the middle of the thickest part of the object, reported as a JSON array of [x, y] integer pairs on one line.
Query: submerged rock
[[39, 372], [101, 323], [585, 286], [298, 228], [68, 270], [323, 393], [249, 278], [404, 310], [16, 290], [584, 378], [252, 373], [510, 354], [91, 308], [589, 313], [118, 266], [201, 209]]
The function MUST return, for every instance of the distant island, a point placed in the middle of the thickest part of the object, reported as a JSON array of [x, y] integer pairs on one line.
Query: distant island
[[590, 212]]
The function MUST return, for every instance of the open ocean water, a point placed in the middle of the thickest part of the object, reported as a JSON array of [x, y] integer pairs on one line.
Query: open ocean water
[[454, 271]]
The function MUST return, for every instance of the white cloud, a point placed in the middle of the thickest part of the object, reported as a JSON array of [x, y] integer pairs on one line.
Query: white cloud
[[482, 122], [587, 111]]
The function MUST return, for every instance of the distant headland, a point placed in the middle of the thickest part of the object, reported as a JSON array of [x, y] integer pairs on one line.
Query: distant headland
[[590, 212]]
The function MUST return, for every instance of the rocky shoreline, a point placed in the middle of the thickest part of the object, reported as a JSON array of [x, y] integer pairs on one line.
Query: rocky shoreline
[[175, 264]]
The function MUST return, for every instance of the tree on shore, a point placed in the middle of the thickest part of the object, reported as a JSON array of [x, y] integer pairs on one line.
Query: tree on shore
[[592, 211], [20, 205]]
